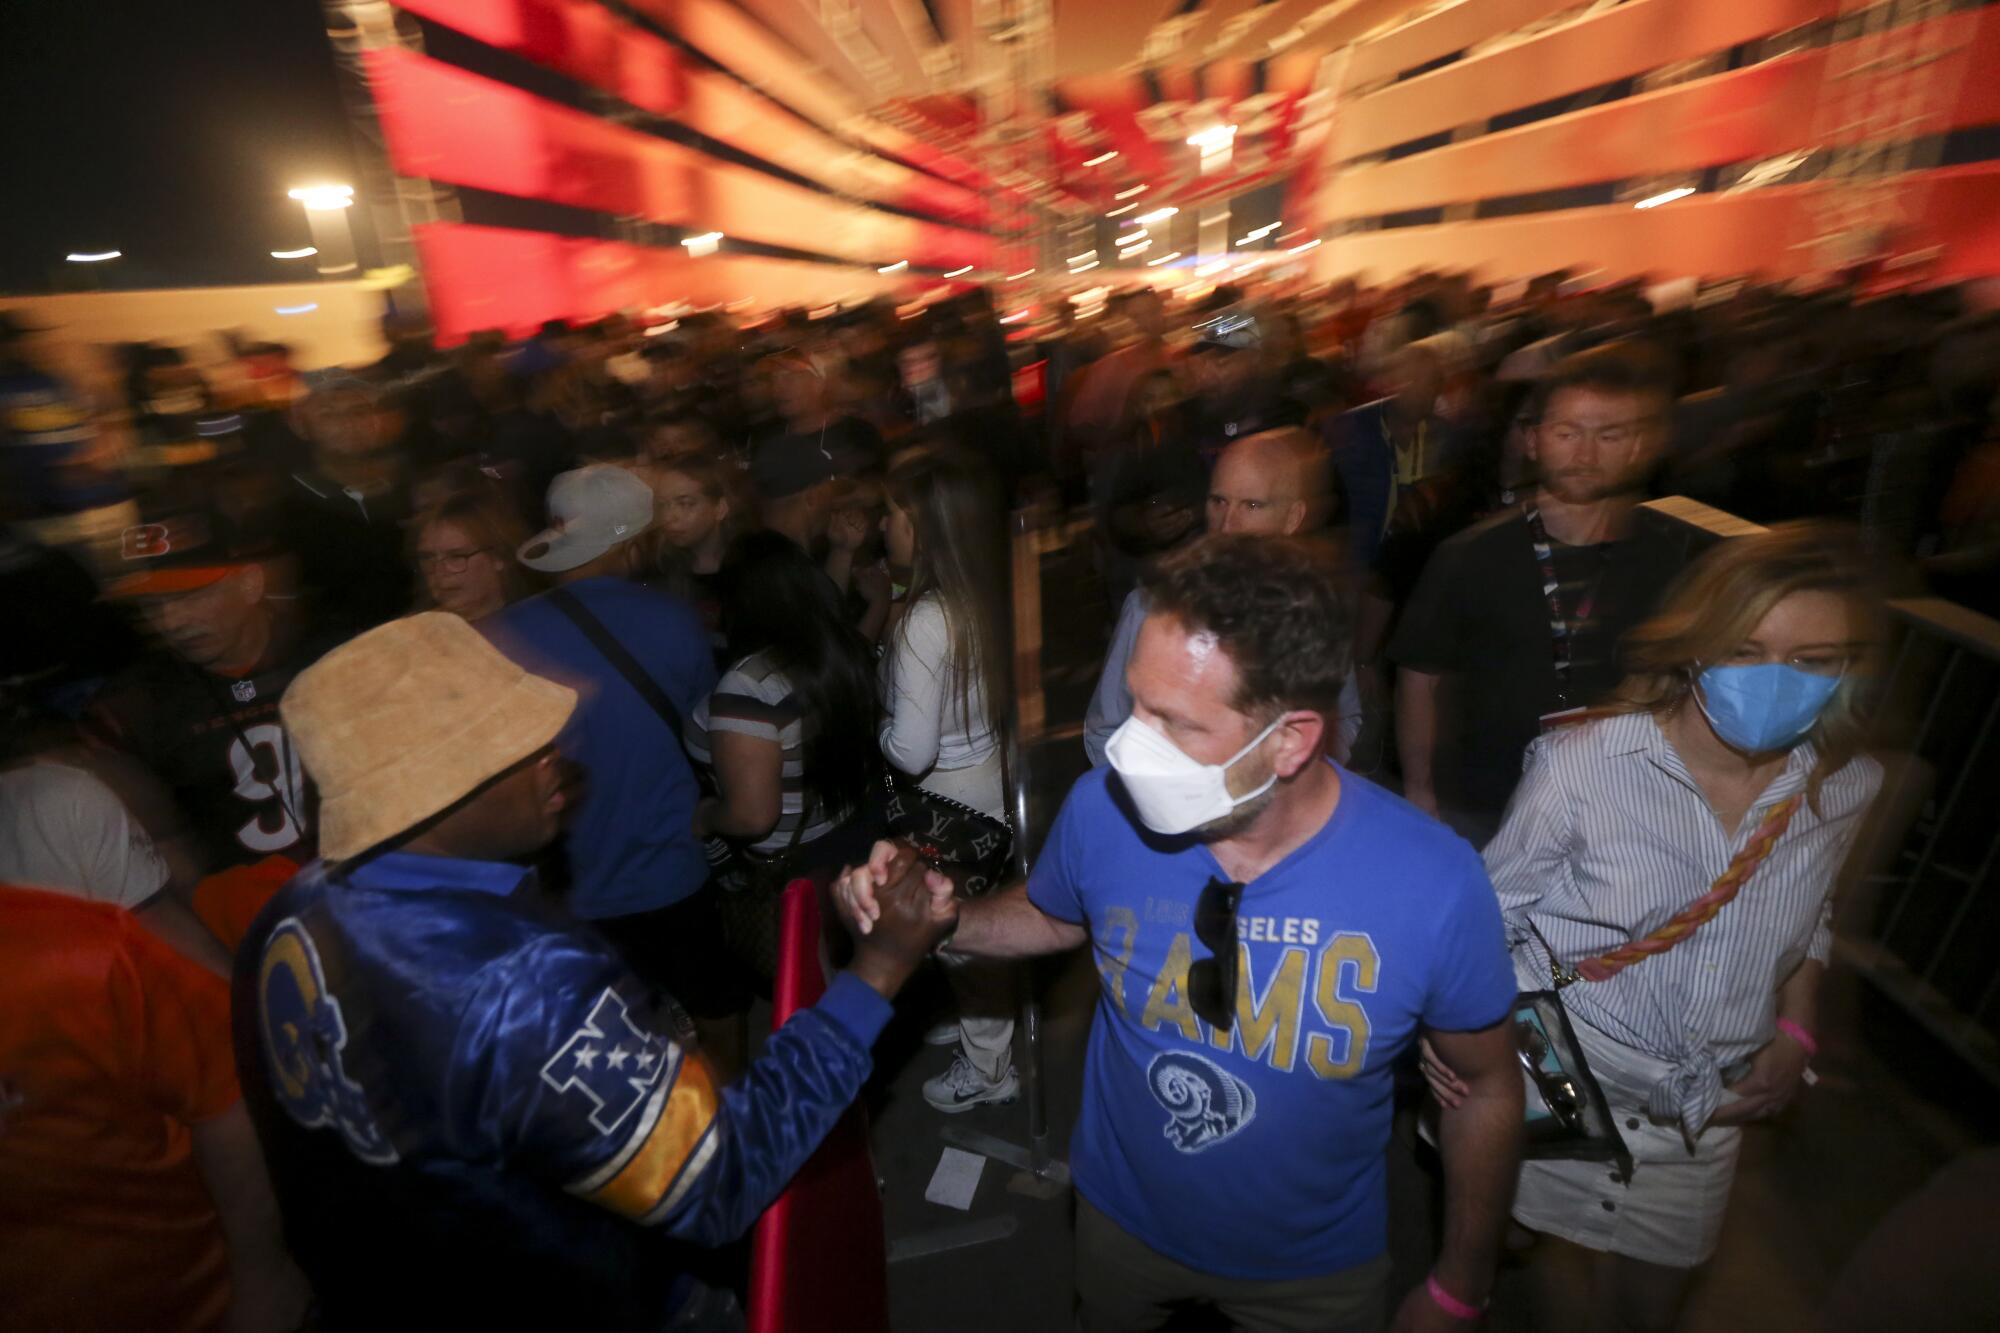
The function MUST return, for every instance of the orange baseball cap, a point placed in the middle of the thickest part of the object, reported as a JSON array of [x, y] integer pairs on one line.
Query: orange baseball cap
[[175, 553]]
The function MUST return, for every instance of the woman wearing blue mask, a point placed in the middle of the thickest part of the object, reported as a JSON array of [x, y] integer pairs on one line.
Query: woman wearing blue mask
[[1668, 863]]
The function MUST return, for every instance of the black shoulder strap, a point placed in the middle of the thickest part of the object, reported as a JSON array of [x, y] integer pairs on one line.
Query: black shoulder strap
[[565, 601]]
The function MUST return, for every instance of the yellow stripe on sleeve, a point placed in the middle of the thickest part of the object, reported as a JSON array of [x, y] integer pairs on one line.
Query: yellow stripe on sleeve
[[644, 1180]]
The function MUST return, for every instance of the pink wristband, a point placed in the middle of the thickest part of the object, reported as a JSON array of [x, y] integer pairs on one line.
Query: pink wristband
[[1799, 1035], [1449, 1303]]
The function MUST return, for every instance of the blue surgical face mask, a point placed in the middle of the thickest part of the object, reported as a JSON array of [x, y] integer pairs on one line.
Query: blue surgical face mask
[[1763, 708]]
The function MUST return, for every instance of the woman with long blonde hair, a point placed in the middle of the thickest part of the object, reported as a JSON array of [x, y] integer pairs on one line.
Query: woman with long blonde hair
[[1667, 863]]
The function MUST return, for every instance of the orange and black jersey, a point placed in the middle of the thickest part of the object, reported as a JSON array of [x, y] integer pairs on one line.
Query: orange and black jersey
[[219, 745]]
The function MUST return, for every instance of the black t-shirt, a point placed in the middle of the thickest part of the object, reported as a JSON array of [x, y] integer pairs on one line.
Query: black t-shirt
[[354, 566], [707, 592], [1479, 618], [219, 744]]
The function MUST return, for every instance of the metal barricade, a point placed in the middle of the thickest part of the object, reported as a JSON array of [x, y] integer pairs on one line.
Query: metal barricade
[[1028, 717], [1921, 919], [1916, 914]]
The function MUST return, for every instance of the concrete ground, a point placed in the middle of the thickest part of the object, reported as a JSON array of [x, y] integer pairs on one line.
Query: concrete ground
[[1890, 1109]]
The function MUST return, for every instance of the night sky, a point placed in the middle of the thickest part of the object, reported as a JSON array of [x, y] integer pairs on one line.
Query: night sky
[[169, 129]]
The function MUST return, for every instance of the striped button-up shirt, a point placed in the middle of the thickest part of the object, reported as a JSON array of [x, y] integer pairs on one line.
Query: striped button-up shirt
[[1609, 836]]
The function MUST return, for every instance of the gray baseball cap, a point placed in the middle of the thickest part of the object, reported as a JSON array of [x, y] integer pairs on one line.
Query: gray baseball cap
[[594, 509]]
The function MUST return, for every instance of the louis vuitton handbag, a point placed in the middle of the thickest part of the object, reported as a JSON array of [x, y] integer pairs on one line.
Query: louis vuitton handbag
[[970, 846]]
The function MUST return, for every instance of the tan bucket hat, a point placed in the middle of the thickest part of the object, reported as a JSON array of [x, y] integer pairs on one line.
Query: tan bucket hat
[[405, 720]]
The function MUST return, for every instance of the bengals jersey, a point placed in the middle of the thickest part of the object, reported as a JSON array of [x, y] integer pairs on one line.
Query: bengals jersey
[[219, 744], [477, 1117]]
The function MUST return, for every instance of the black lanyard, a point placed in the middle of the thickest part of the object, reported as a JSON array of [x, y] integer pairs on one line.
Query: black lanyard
[[1563, 628]]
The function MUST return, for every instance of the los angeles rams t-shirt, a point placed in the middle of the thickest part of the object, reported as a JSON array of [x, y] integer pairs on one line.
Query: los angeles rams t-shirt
[[1258, 1153]]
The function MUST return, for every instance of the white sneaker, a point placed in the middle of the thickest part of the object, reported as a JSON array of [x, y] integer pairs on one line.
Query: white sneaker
[[942, 1034], [960, 1088]]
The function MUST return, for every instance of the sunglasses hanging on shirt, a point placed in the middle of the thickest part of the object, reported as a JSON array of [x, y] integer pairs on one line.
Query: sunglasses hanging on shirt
[[1212, 981]]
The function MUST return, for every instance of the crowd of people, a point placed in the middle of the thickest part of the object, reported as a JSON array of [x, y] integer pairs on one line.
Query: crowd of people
[[402, 763]]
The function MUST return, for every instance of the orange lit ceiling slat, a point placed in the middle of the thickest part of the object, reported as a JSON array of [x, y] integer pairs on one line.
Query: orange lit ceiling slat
[[1315, 25], [723, 109], [1748, 114], [443, 123], [1455, 28], [895, 33], [1618, 43], [760, 59], [1215, 21], [1956, 208], [797, 22]]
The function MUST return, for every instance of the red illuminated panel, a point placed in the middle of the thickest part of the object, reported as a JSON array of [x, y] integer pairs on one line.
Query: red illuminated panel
[[443, 123], [1752, 113], [1618, 43], [494, 278], [572, 37], [1116, 100], [584, 41], [1956, 208]]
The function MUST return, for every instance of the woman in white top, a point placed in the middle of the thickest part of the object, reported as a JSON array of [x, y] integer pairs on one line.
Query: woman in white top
[[945, 684], [1735, 730]]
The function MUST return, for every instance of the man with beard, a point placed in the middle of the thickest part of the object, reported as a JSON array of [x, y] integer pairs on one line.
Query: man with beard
[[1516, 621], [1270, 931]]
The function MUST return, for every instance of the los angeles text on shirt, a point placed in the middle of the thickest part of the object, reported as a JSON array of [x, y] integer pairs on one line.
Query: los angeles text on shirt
[[1271, 1014]]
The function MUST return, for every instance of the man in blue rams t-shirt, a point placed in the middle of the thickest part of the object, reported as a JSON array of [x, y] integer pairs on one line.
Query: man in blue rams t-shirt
[[1231, 1141]]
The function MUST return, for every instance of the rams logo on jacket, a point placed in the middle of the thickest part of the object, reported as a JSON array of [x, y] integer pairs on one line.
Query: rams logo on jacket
[[304, 1037]]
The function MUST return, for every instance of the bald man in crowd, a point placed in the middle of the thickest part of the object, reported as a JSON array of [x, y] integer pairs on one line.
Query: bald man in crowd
[[1271, 484]]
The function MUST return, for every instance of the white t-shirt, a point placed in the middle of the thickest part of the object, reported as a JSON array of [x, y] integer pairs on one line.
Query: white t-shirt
[[62, 829], [924, 731]]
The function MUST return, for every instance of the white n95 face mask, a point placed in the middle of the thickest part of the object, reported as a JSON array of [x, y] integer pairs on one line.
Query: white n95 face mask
[[1172, 792]]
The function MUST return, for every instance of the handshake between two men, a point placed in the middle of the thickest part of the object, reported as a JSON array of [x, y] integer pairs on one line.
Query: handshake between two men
[[898, 910]]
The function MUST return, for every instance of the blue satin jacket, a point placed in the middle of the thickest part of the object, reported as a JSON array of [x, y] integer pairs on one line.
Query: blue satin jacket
[[475, 1114]]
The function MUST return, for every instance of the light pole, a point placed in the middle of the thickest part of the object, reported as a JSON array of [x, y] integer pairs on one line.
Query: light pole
[[333, 240]]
